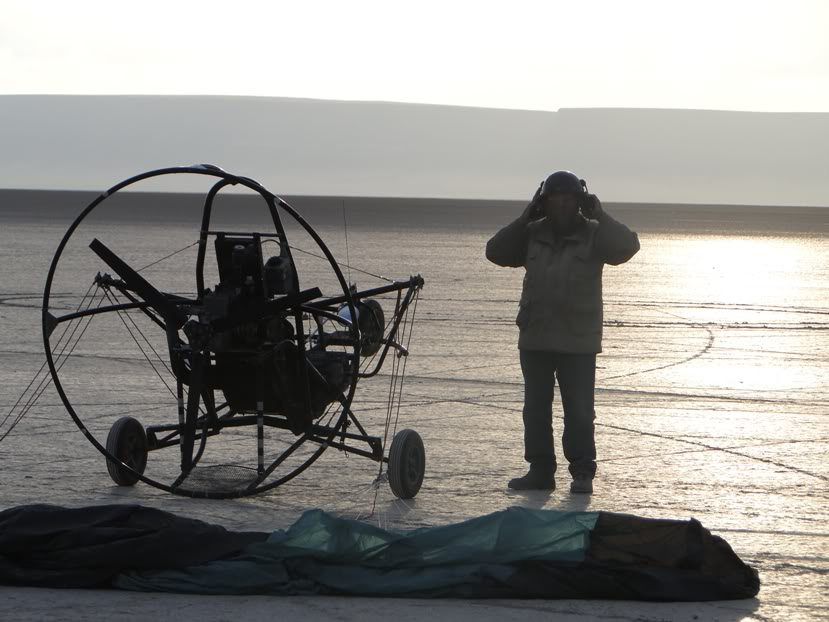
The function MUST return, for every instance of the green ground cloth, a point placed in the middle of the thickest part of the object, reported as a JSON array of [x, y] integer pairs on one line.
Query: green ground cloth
[[324, 554]]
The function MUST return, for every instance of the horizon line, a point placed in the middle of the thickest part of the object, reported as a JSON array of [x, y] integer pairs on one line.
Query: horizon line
[[96, 193]]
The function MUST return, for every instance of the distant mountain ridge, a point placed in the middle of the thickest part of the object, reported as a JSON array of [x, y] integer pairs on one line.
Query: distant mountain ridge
[[340, 148]]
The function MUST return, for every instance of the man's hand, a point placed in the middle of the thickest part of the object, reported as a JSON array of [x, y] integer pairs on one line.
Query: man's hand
[[592, 207], [533, 209]]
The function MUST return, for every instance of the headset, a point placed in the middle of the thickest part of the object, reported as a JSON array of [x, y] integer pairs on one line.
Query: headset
[[565, 182]]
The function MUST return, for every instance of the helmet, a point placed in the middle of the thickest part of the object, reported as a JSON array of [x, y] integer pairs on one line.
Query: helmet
[[563, 182]]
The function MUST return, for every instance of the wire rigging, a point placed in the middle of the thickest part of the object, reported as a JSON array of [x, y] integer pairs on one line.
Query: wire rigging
[[62, 357]]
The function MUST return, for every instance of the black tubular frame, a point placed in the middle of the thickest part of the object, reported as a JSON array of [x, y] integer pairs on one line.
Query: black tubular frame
[[324, 435]]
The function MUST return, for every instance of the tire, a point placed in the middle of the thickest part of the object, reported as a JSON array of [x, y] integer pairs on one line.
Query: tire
[[372, 323], [407, 464], [127, 442]]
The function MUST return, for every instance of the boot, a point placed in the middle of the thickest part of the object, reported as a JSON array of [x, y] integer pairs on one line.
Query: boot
[[536, 479], [582, 484]]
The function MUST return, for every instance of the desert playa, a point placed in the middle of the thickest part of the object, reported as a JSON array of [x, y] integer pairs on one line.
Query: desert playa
[[710, 403]]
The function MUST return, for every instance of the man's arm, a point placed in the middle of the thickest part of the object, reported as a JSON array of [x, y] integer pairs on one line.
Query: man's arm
[[614, 243], [508, 247]]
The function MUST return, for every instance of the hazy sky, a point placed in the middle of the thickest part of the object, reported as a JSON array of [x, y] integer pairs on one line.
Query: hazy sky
[[759, 55]]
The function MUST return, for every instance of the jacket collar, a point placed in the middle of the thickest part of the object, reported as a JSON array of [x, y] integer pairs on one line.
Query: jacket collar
[[546, 235]]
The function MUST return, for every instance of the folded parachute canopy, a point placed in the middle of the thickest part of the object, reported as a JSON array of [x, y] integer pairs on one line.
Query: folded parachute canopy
[[514, 553]]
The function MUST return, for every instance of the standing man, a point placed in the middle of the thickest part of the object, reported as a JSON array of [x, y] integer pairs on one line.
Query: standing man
[[562, 239]]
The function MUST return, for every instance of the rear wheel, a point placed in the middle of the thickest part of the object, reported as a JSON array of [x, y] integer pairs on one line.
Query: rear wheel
[[407, 464]]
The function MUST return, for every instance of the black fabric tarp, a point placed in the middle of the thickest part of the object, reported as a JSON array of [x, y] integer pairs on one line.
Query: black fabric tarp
[[514, 553], [51, 546]]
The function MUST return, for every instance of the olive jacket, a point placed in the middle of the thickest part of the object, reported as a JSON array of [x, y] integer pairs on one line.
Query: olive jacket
[[561, 303]]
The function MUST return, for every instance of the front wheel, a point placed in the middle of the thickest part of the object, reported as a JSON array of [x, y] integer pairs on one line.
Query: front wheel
[[127, 441], [407, 464]]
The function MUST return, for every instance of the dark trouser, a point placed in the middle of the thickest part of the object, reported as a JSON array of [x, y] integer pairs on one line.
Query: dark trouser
[[576, 375]]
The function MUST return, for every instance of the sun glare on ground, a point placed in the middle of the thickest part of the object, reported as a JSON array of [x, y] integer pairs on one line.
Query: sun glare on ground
[[750, 306]]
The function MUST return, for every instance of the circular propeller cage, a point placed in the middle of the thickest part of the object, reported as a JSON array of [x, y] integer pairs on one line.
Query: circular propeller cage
[[225, 367]]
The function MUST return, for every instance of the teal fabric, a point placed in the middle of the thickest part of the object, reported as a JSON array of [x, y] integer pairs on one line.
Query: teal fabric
[[324, 554]]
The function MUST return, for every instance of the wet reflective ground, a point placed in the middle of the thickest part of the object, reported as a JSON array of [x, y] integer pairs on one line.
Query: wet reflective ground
[[711, 404]]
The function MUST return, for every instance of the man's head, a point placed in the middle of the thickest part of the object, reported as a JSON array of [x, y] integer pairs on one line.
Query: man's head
[[559, 200], [562, 182]]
